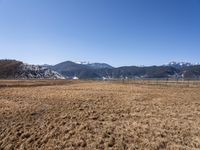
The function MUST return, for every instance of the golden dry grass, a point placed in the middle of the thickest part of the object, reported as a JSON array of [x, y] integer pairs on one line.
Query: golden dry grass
[[99, 115]]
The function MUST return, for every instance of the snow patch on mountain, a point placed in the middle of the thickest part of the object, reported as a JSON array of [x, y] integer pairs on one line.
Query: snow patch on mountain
[[27, 71], [181, 64], [82, 62], [94, 65]]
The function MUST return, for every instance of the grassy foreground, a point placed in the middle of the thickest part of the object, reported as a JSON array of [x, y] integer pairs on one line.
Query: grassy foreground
[[89, 115]]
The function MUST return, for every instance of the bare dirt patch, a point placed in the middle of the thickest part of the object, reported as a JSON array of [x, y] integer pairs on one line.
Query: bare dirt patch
[[100, 115]]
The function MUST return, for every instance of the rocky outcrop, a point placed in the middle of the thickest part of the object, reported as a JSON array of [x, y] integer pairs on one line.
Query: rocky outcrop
[[12, 69]]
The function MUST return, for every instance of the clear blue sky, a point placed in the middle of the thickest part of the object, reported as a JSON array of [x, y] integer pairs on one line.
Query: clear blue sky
[[118, 32]]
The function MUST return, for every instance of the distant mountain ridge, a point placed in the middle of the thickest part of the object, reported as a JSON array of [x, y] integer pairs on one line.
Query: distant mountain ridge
[[74, 70], [181, 64], [12, 69], [94, 65], [71, 69]]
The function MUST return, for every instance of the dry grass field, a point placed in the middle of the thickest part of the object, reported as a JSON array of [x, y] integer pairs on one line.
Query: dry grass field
[[91, 115]]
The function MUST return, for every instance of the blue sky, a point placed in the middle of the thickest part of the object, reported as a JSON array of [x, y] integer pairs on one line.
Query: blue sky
[[118, 32]]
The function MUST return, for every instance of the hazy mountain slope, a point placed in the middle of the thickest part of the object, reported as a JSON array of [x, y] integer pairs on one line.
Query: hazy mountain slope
[[144, 72], [8, 68], [99, 65], [12, 69], [71, 69], [94, 65], [161, 72], [191, 71]]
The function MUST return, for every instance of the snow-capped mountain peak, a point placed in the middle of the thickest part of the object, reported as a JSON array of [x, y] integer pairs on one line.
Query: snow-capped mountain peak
[[93, 65], [181, 64], [82, 62]]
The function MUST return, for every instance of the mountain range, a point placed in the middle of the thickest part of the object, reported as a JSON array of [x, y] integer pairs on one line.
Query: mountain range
[[12, 69], [181, 64]]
